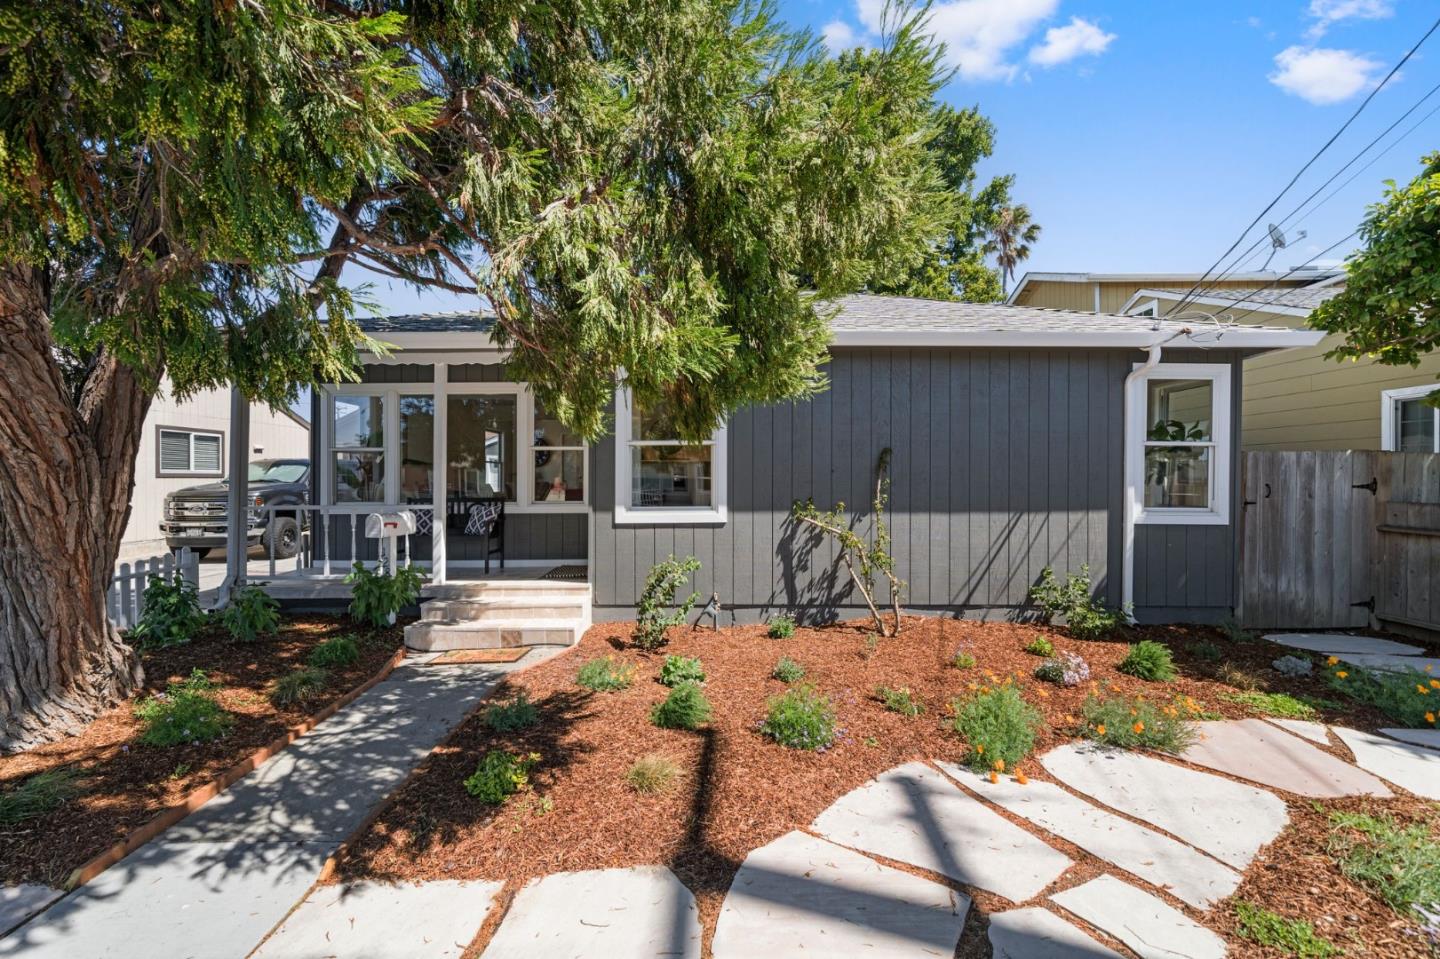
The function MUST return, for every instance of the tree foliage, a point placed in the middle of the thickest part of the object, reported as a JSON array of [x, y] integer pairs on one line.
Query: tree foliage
[[1390, 306]]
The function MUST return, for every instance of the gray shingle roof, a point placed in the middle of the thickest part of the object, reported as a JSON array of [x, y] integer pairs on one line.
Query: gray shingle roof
[[458, 321], [1299, 298]]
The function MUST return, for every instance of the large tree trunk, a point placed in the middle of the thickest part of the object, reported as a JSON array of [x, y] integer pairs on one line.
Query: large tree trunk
[[66, 472]]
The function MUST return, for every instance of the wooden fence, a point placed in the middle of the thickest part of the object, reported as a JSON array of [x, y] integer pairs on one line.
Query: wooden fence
[[126, 597], [1333, 539]]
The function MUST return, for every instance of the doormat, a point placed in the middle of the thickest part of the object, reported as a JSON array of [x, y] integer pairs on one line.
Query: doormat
[[457, 657], [571, 573]]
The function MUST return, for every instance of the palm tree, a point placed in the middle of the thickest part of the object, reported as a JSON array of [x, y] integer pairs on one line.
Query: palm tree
[[1010, 239]]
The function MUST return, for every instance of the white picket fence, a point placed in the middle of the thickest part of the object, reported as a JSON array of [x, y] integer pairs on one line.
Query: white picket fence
[[126, 597]]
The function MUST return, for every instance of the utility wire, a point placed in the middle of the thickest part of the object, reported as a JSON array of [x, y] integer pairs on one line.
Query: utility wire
[[1249, 295]]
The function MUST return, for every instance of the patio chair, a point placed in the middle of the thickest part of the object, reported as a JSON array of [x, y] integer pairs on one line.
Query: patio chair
[[485, 519]]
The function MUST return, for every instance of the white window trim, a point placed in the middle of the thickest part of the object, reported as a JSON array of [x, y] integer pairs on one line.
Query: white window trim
[[1221, 477], [1390, 400], [628, 515], [390, 430], [1139, 309], [190, 470]]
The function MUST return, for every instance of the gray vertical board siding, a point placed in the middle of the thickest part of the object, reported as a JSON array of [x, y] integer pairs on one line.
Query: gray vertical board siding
[[1005, 461]]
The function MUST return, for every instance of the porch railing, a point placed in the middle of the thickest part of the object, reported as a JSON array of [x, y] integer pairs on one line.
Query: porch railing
[[317, 547], [125, 599]]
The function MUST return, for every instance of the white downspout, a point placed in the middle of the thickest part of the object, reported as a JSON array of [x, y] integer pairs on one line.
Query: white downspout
[[1132, 492]]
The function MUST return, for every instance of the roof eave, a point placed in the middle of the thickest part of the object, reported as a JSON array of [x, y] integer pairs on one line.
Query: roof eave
[[1258, 306]]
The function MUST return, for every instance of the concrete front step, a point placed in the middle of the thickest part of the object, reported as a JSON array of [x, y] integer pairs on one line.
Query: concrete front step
[[497, 613], [494, 634], [550, 590], [486, 610]]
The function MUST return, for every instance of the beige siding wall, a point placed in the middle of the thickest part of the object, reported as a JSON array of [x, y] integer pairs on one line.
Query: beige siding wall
[[1060, 295]]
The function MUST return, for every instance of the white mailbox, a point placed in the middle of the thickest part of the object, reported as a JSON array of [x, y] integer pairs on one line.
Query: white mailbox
[[398, 523]]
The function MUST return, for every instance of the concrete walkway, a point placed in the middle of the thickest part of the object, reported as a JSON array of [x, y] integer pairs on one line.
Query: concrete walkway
[[215, 884]]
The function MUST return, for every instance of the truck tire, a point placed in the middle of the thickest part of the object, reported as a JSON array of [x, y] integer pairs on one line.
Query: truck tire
[[283, 535]]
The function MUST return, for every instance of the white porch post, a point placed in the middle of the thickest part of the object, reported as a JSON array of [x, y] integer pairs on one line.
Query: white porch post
[[238, 505], [439, 474]]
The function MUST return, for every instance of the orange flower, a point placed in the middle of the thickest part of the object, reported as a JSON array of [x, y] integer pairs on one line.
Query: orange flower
[[979, 750], [1043, 694], [1331, 661], [1430, 718], [999, 765], [1341, 674], [1423, 691], [1435, 683], [1021, 778], [1138, 728], [1100, 729], [1069, 718], [994, 776]]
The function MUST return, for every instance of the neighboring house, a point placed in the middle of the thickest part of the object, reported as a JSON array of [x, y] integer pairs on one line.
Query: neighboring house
[[1020, 440], [1298, 400], [183, 444]]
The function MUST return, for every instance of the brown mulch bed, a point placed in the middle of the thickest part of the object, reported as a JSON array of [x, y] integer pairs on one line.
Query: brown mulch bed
[[738, 790], [124, 784]]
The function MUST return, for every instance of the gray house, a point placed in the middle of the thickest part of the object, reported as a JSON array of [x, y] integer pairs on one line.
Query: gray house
[[1022, 438]]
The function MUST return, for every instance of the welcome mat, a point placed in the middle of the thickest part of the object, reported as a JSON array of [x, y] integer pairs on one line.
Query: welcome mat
[[572, 573], [457, 657]]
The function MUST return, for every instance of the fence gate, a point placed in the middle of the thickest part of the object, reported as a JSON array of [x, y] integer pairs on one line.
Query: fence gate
[[1409, 540]]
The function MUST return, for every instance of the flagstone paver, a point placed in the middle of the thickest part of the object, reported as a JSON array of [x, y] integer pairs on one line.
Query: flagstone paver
[[1429, 665], [913, 814], [1036, 933], [372, 920], [1337, 643], [801, 896], [1406, 765], [643, 911], [1253, 749], [1226, 819], [1145, 923], [1187, 873], [1420, 737], [1304, 728]]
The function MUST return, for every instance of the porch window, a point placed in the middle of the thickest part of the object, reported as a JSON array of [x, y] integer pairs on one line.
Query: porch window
[[417, 450], [1409, 424], [358, 449], [559, 461], [660, 478], [481, 445], [1178, 435]]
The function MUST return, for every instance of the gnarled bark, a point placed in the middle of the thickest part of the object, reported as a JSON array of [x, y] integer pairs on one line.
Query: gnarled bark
[[66, 472]]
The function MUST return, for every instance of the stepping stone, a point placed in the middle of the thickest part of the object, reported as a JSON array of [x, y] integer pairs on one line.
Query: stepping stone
[[915, 815], [1337, 643], [1226, 819], [643, 911], [1406, 765], [1420, 737], [1389, 662], [801, 896], [372, 920], [1304, 728], [1150, 926], [19, 903], [1253, 749], [1191, 876], [1036, 933]]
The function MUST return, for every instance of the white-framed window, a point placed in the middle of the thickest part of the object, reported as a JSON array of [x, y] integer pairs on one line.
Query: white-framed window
[[185, 452], [356, 455], [1177, 444], [559, 462], [660, 479], [1408, 424]]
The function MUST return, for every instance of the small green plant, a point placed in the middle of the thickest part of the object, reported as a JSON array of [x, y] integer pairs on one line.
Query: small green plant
[[869, 646], [1150, 661], [652, 616], [513, 715], [250, 615], [1400, 863], [37, 795], [1237, 677], [685, 708], [605, 675], [172, 613], [186, 712], [1406, 697], [802, 718], [652, 774], [1205, 650], [788, 671], [1231, 629], [899, 700], [500, 775], [1138, 723], [781, 627], [963, 660], [1066, 669], [335, 653], [1085, 618], [998, 727], [1040, 646], [1282, 704], [376, 595], [681, 669], [1295, 937], [300, 686]]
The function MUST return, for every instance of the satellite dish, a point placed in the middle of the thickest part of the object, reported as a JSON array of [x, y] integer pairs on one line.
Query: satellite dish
[[1278, 242]]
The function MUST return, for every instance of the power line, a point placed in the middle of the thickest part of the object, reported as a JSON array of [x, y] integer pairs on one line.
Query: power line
[[1250, 294]]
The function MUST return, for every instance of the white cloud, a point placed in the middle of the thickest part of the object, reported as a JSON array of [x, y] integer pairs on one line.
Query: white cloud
[[1078, 38], [1327, 12], [1323, 76], [838, 36]]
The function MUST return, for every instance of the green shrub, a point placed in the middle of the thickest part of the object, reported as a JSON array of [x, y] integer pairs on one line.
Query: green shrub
[[1397, 695], [1295, 937], [681, 669], [781, 627], [1150, 661], [1231, 629], [335, 653], [250, 615], [1085, 618], [1040, 646], [1400, 863], [1205, 650], [499, 776], [1139, 723], [300, 686], [963, 660], [651, 616], [172, 613], [516, 714], [1282, 704], [376, 595], [998, 725], [38, 794], [652, 774], [685, 708], [788, 671], [605, 675], [186, 712], [802, 718], [900, 700]]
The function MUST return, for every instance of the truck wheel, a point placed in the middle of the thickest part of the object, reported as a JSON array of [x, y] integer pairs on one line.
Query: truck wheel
[[282, 534]]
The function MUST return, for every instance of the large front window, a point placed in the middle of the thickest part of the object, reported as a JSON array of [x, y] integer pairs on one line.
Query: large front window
[[660, 477], [482, 445], [1178, 438]]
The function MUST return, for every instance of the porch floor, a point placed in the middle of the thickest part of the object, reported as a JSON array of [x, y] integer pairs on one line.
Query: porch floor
[[306, 585]]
